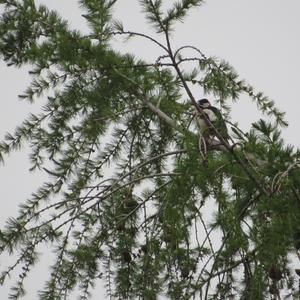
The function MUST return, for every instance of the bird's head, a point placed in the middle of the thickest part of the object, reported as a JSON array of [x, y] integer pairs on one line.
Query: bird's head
[[203, 103]]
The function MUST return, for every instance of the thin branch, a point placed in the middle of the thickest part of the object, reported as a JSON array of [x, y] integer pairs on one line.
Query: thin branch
[[152, 107], [140, 35], [230, 268]]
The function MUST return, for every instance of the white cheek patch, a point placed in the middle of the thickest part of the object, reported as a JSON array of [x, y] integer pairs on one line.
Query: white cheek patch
[[212, 116]]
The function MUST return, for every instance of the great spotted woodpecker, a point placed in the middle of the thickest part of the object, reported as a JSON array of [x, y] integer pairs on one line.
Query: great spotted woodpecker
[[215, 117]]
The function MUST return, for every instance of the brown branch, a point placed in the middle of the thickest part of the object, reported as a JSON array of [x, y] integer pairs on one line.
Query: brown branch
[[208, 122], [151, 106], [140, 35], [230, 268]]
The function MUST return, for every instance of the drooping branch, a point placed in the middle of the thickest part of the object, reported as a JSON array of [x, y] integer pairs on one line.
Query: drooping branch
[[151, 106]]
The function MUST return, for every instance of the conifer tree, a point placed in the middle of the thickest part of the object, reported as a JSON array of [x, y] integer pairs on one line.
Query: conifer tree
[[136, 197]]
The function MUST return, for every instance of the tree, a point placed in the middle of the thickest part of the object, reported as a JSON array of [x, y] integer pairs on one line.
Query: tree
[[132, 178]]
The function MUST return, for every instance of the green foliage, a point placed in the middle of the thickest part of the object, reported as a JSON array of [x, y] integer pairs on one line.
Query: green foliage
[[134, 197]]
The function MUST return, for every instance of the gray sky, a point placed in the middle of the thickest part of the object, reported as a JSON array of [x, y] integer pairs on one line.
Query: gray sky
[[259, 38]]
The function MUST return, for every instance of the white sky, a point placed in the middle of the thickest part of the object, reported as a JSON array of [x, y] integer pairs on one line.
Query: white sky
[[259, 38]]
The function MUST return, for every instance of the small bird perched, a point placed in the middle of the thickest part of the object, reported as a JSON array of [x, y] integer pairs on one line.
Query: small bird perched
[[215, 117]]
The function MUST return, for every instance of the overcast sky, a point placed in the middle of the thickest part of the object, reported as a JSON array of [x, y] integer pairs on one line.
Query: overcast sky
[[260, 38]]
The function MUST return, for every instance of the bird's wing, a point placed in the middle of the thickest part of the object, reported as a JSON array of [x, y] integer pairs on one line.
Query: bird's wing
[[212, 115], [220, 122]]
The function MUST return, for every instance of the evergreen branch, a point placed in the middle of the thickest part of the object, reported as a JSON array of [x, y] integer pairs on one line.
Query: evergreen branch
[[224, 240], [130, 172], [95, 88], [266, 105], [207, 233], [68, 281], [110, 191], [132, 33], [58, 265], [120, 113], [207, 121], [228, 269], [179, 11], [275, 186], [140, 204], [151, 106], [154, 13], [26, 255]]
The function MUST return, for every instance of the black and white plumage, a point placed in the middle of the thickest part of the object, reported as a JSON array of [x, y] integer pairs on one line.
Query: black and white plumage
[[215, 117]]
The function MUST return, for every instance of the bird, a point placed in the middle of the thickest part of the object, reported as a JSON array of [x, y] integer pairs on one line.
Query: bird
[[215, 117]]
